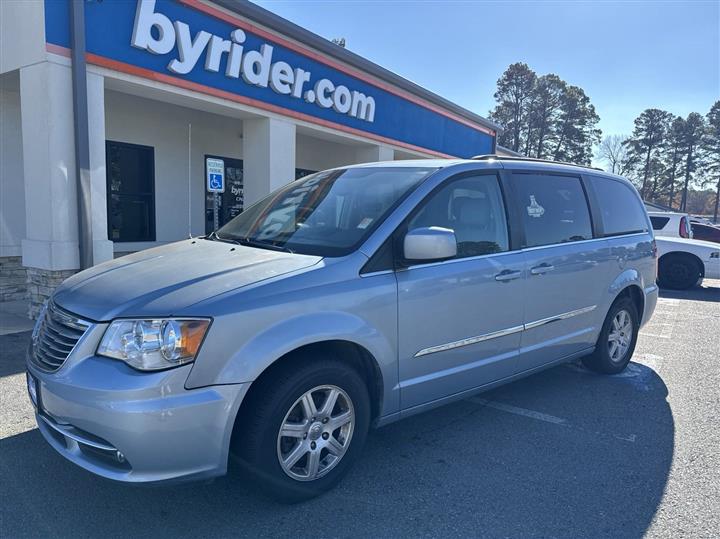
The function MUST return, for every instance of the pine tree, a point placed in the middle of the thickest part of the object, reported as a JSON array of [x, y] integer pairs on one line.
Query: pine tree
[[692, 136], [576, 133], [673, 156], [544, 116], [513, 96], [646, 140], [711, 147]]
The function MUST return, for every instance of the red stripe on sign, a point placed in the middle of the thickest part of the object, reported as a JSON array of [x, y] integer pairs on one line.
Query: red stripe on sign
[[203, 89], [57, 49]]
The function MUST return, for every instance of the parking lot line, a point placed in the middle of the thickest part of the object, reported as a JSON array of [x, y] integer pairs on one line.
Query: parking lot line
[[547, 418], [519, 411]]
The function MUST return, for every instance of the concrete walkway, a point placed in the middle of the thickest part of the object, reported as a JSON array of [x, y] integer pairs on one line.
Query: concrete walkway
[[14, 318]]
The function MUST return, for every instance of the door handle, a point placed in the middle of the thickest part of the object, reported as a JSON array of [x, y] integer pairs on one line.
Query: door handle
[[508, 275], [542, 268]]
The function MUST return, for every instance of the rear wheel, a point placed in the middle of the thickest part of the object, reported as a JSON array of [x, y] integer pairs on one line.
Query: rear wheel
[[304, 426], [616, 343], [678, 272]]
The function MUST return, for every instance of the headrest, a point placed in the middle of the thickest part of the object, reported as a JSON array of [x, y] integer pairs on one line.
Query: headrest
[[474, 211]]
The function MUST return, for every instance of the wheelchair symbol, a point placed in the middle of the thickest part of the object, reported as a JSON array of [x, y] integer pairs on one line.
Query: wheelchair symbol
[[215, 181]]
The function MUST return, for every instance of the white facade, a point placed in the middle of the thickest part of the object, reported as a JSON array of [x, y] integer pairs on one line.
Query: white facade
[[182, 125]]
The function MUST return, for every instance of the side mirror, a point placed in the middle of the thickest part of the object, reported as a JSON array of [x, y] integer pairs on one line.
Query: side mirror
[[431, 243]]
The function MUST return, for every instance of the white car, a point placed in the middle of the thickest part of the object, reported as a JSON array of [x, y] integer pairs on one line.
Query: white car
[[671, 224], [685, 262]]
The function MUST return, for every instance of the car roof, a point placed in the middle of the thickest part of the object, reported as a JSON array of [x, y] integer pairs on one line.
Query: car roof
[[499, 161], [491, 160], [666, 213]]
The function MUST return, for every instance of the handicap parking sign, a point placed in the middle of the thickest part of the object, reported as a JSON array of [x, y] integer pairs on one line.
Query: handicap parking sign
[[215, 172]]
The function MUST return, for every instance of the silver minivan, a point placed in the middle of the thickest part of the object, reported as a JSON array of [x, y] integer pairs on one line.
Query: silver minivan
[[346, 300]]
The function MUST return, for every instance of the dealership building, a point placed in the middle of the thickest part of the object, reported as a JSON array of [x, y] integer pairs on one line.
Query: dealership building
[[118, 119]]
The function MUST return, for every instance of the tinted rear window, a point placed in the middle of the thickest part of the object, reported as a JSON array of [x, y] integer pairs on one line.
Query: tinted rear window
[[622, 211], [553, 208], [704, 232], [658, 223]]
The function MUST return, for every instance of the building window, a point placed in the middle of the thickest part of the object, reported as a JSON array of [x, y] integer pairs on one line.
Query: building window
[[130, 191]]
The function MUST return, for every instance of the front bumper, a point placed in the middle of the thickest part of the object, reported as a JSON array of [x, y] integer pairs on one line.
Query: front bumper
[[94, 407]]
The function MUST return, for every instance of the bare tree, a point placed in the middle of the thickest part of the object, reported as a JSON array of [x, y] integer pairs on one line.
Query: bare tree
[[614, 152]]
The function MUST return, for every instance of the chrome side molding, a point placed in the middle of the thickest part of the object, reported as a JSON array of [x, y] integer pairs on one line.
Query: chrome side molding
[[563, 316], [503, 332], [469, 341]]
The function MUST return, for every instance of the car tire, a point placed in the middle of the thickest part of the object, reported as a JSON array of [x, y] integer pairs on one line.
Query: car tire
[[282, 400], [678, 272], [616, 343]]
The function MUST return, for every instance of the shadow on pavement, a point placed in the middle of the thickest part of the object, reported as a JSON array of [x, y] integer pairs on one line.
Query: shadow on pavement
[[698, 293], [594, 463], [12, 352]]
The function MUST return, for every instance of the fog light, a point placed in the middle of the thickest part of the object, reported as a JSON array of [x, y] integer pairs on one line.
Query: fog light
[[120, 457]]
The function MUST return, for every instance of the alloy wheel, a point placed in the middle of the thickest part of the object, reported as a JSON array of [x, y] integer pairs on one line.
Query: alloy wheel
[[620, 336], [316, 433]]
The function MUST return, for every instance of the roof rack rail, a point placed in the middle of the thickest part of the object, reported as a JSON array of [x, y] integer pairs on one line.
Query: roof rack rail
[[489, 156]]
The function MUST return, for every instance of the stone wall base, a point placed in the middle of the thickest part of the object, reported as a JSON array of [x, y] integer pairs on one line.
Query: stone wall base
[[13, 279], [40, 285]]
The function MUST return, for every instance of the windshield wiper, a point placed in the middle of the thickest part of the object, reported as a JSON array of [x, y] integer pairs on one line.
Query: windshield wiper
[[263, 245], [213, 236]]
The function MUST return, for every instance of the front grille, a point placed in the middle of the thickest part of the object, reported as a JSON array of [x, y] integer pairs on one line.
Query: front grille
[[55, 336]]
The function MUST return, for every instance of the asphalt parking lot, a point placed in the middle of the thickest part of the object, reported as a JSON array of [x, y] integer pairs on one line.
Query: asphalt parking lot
[[565, 453]]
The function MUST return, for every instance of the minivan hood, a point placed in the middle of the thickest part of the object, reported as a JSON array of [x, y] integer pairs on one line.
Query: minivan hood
[[163, 280]]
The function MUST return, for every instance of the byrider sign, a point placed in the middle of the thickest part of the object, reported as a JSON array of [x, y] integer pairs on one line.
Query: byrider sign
[[254, 67], [200, 47]]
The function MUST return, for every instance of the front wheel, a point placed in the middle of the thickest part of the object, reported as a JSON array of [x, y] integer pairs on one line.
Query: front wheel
[[303, 428], [616, 343]]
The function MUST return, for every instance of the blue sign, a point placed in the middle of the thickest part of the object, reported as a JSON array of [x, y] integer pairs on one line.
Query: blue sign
[[196, 46], [216, 182], [215, 169]]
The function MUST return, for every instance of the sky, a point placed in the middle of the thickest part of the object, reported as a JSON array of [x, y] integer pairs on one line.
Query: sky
[[627, 55]]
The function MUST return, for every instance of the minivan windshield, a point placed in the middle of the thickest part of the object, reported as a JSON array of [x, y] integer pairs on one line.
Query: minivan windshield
[[329, 213]]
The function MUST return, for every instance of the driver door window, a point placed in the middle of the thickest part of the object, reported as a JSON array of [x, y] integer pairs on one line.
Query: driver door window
[[473, 208]]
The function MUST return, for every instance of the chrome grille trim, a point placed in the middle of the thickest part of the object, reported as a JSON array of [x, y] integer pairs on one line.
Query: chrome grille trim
[[58, 332], [75, 434]]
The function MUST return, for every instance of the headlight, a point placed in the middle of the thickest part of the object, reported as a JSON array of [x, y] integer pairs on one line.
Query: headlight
[[151, 345]]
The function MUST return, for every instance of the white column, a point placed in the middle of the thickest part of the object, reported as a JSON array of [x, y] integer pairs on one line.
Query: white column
[[268, 157], [370, 154], [49, 167], [51, 241], [102, 246]]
